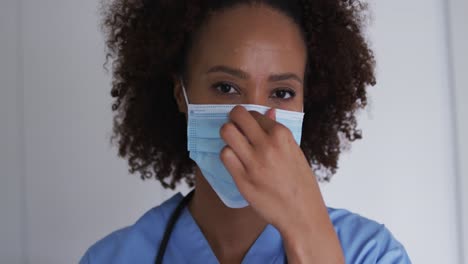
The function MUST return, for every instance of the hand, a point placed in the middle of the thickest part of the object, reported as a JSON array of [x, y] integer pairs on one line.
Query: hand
[[272, 173], [267, 165]]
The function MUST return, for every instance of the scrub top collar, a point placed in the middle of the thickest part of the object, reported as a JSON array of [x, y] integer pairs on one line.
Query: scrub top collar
[[188, 239]]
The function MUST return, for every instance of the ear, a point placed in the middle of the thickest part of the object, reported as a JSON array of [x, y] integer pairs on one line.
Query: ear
[[178, 94]]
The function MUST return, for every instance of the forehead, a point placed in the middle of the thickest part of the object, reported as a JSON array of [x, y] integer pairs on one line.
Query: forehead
[[253, 38]]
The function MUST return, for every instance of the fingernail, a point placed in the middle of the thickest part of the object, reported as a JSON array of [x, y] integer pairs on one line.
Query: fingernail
[[272, 113]]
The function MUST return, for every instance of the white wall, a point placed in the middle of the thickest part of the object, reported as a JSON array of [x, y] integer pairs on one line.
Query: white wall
[[11, 151], [458, 41], [402, 173], [77, 190], [62, 186]]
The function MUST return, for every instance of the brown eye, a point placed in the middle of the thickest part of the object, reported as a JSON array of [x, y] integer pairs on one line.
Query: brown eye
[[283, 94], [225, 88]]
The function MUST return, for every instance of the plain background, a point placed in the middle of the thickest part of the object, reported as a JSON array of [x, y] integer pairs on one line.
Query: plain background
[[62, 186]]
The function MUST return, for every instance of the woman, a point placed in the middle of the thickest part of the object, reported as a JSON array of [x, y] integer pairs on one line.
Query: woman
[[239, 99]]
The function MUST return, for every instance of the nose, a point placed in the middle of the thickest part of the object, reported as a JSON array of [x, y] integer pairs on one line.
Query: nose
[[256, 96], [256, 101]]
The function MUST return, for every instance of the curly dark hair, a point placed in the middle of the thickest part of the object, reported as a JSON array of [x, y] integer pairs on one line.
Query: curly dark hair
[[148, 41]]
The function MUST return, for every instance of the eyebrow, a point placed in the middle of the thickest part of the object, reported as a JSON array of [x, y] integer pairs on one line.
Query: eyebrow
[[243, 75]]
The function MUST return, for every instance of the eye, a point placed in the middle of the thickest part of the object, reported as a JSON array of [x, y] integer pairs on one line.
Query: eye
[[283, 93], [225, 88]]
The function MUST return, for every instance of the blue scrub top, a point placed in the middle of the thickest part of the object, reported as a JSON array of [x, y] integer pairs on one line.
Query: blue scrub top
[[362, 241]]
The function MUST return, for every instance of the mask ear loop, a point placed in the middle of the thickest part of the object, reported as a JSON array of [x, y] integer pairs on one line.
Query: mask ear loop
[[185, 93]]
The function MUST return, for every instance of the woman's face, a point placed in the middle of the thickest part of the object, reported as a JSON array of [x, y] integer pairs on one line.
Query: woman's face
[[247, 55]]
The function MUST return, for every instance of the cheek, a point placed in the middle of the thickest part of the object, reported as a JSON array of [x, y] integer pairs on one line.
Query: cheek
[[297, 104], [199, 93], [300, 101]]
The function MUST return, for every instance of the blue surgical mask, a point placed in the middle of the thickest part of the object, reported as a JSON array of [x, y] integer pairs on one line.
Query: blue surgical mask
[[205, 143]]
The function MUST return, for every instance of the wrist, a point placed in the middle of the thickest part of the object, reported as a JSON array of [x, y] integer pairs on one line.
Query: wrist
[[316, 242]]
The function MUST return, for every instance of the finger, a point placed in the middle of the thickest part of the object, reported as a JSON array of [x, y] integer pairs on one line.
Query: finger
[[247, 124], [238, 172], [234, 138], [271, 113], [265, 122], [232, 163]]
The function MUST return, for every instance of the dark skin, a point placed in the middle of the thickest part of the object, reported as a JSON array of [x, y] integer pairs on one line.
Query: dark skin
[[263, 65]]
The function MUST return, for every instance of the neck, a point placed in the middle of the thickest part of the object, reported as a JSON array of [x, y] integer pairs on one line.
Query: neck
[[229, 231]]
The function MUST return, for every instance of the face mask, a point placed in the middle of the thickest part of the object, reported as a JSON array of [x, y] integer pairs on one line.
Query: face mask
[[204, 143]]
